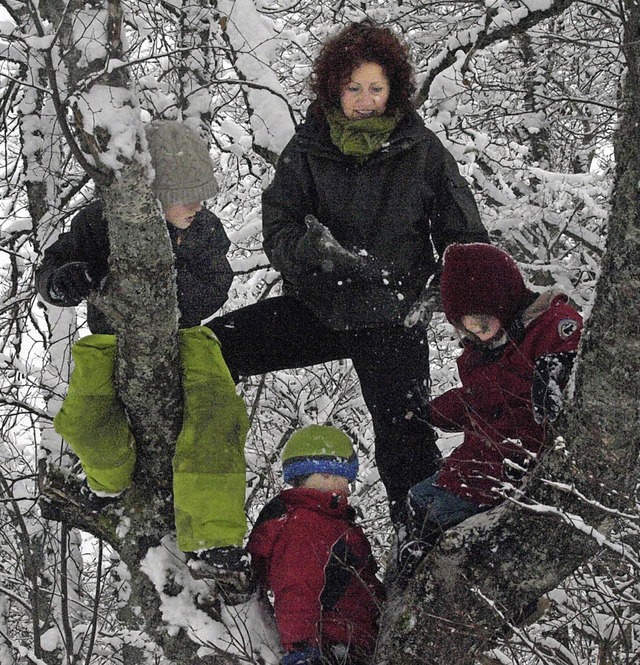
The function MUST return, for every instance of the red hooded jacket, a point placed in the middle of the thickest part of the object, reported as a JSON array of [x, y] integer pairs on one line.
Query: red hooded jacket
[[306, 548], [493, 406]]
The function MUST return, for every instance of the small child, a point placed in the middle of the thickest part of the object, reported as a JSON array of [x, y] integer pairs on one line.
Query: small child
[[519, 348], [209, 474], [75, 265], [306, 548]]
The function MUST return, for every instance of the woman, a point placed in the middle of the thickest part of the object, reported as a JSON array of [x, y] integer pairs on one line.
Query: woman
[[362, 194]]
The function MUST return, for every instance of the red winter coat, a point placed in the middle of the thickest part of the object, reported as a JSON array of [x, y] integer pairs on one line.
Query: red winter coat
[[494, 403], [307, 549]]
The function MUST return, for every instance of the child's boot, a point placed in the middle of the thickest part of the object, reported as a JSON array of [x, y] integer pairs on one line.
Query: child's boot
[[230, 569], [420, 536]]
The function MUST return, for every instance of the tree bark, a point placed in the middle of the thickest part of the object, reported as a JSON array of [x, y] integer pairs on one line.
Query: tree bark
[[140, 298]]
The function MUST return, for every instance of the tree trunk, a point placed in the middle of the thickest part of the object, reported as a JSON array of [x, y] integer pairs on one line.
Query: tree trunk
[[140, 299]]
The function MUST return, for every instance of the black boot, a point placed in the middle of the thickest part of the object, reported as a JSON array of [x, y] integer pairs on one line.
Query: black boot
[[418, 539], [414, 551], [229, 568]]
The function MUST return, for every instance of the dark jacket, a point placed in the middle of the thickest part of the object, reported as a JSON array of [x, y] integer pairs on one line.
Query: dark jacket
[[389, 209], [307, 549], [493, 405], [203, 274]]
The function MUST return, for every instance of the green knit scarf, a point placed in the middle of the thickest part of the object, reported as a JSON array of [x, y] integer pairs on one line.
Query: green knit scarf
[[359, 138]]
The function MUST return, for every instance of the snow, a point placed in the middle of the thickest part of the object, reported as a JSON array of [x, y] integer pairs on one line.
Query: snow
[[242, 629], [51, 639], [89, 35], [38, 43], [114, 110], [255, 40]]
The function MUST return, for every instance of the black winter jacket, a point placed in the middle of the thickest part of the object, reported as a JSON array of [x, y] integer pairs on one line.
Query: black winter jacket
[[394, 209], [203, 274]]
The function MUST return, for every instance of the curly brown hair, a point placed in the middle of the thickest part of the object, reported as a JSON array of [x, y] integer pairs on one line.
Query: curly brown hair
[[358, 43]]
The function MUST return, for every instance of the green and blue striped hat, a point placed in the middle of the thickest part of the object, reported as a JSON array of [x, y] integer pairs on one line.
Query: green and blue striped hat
[[319, 449]]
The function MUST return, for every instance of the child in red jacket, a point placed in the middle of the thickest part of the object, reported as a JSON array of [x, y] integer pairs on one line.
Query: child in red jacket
[[306, 549], [519, 348]]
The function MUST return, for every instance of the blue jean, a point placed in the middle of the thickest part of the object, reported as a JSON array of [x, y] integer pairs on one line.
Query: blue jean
[[431, 504], [430, 511]]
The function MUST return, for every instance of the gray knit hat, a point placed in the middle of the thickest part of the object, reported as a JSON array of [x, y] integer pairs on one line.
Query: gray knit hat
[[181, 160]]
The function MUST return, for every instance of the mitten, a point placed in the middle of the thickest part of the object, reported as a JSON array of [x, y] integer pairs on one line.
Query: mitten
[[71, 283], [306, 656], [550, 376], [319, 248], [428, 302]]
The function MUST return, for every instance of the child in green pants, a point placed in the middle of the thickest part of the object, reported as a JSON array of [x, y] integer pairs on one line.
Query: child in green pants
[[208, 464]]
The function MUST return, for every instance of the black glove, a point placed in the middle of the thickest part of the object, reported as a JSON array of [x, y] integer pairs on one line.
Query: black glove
[[550, 376], [319, 248], [428, 302], [71, 283], [306, 656]]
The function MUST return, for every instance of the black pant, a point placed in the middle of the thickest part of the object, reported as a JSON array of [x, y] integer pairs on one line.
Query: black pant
[[282, 333]]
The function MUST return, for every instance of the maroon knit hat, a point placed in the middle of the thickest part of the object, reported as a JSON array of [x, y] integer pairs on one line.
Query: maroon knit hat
[[481, 279]]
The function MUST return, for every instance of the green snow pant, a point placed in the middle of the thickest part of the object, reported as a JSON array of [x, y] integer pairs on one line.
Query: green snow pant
[[208, 464]]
